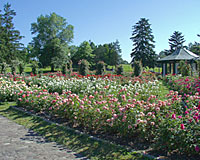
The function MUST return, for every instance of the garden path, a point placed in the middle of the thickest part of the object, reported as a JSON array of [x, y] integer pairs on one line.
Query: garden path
[[19, 143]]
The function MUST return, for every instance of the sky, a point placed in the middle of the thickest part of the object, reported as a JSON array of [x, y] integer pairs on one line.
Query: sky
[[105, 21]]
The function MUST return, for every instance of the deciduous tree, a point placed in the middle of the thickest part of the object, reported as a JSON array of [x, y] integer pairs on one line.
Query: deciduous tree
[[53, 35]]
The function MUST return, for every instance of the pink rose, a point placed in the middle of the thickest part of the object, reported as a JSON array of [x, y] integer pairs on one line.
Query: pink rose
[[197, 149], [182, 126]]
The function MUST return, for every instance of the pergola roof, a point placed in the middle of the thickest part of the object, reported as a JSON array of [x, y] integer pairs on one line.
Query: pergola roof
[[180, 54]]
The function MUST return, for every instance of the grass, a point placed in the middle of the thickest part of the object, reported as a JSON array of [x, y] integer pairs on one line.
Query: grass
[[126, 68], [79, 143], [156, 69]]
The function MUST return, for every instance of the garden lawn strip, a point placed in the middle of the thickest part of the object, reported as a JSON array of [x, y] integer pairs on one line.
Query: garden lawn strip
[[80, 143]]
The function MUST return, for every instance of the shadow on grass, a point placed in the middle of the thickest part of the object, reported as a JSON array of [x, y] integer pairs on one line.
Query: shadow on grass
[[79, 143]]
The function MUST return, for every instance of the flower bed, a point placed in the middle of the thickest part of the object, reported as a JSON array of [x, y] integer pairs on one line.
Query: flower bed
[[184, 85], [102, 105]]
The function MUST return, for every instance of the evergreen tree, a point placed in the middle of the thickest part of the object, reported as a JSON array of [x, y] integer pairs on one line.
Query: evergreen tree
[[195, 48], [176, 41], [143, 43], [10, 47], [114, 53]]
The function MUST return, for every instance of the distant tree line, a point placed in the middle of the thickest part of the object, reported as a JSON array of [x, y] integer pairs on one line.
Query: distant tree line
[[52, 44]]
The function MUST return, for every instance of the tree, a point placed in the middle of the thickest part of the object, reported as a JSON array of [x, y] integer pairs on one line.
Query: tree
[[195, 48], [51, 43], [137, 68], [114, 53], [84, 52], [143, 43], [101, 53], [176, 41], [10, 47]]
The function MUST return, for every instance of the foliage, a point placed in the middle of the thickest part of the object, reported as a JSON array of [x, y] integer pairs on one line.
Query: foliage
[[14, 64], [64, 69], [185, 68], [3, 68], [84, 52], [21, 67], [10, 48], [195, 48], [101, 53], [119, 70], [108, 53], [198, 67], [143, 43], [34, 67], [50, 45], [175, 42], [84, 67], [133, 111], [114, 53], [70, 137], [67, 68], [184, 85], [100, 68], [137, 68]]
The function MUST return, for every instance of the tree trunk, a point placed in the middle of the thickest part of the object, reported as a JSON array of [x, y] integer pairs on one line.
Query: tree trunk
[[52, 68]]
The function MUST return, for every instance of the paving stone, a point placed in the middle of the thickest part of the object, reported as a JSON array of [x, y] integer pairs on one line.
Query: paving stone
[[19, 143]]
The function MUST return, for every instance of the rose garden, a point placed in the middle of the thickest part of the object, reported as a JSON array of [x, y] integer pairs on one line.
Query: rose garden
[[138, 108]]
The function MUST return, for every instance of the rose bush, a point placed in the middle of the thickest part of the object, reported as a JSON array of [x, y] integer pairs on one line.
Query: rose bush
[[102, 105]]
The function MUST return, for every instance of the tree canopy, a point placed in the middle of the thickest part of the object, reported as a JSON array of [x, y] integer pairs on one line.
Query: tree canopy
[[51, 43], [143, 43], [108, 53]]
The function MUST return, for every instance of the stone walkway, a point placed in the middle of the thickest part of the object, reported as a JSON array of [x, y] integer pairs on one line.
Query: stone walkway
[[19, 143]]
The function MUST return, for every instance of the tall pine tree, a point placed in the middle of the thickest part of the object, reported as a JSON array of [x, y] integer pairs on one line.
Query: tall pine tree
[[143, 43], [176, 41], [10, 47]]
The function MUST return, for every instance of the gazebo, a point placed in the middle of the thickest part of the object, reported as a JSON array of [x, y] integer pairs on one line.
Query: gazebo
[[174, 58]]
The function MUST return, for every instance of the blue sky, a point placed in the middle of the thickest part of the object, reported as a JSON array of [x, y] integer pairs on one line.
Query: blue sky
[[104, 21]]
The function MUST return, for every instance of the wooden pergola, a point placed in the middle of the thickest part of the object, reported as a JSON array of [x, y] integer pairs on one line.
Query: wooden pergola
[[174, 59]]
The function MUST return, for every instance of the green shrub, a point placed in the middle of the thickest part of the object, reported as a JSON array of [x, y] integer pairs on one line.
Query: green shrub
[[34, 67], [83, 67], [3, 68], [137, 68], [198, 67], [64, 69], [119, 70], [21, 67], [184, 68], [100, 68], [69, 67]]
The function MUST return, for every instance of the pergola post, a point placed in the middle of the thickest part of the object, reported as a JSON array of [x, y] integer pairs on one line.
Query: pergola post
[[163, 69], [176, 68], [170, 68]]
